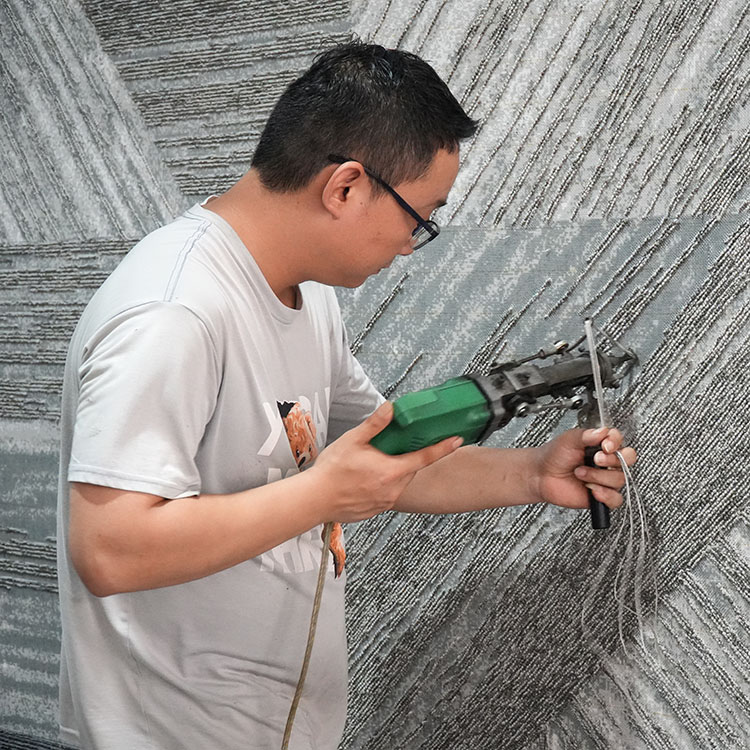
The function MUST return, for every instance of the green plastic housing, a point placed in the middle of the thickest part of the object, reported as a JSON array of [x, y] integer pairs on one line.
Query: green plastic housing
[[457, 407]]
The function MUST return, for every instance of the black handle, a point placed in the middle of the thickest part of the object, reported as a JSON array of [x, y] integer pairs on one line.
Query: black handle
[[599, 511]]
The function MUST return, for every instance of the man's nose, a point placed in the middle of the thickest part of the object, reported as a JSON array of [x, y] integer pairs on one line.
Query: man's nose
[[407, 249]]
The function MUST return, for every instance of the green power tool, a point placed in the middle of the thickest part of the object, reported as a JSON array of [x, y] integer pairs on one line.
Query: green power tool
[[473, 406]]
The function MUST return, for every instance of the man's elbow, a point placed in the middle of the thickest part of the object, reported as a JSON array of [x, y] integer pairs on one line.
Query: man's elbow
[[105, 537], [97, 571]]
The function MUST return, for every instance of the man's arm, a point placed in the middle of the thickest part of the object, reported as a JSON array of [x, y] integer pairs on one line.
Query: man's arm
[[475, 478], [128, 541]]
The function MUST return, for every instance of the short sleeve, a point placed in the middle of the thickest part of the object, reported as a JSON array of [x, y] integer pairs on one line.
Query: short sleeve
[[354, 396], [148, 384]]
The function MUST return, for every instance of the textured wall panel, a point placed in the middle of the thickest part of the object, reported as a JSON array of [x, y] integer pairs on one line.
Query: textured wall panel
[[79, 171], [609, 177], [44, 291], [613, 149], [29, 630], [689, 687], [76, 162], [588, 110], [206, 85], [465, 629]]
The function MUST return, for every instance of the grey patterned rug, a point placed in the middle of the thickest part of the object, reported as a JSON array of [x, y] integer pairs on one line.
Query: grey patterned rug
[[609, 177]]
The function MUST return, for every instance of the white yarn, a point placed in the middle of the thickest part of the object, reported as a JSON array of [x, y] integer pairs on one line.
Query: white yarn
[[634, 574], [635, 570]]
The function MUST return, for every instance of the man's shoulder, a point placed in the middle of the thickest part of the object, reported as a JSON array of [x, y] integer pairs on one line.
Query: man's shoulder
[[178, 259], [150, 281]]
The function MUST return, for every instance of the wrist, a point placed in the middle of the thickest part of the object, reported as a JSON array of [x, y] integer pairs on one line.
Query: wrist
[[535, 473], [315, 496]]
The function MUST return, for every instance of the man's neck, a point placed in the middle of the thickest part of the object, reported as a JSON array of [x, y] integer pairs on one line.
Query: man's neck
[[264, 221]]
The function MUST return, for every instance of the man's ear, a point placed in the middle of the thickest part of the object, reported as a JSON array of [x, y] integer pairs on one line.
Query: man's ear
[[347, 182]]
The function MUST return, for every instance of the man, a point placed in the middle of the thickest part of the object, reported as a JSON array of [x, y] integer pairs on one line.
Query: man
[[208, 370]]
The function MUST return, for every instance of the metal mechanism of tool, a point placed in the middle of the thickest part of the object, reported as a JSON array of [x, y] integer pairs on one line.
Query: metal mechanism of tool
[[474, 406]]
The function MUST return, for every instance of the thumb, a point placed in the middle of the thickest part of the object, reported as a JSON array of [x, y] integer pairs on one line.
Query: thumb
[[376, 422]]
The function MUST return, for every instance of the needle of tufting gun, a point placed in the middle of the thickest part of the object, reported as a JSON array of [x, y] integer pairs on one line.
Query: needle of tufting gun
[[594, 414]]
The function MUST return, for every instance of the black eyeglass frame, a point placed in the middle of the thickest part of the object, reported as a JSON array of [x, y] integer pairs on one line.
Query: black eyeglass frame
[[429, 227]]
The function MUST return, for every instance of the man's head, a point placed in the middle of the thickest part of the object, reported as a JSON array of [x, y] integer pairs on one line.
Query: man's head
[[385, 108], [356, 155]]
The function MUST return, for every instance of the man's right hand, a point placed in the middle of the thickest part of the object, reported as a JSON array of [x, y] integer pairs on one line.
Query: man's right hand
[[359, 481]]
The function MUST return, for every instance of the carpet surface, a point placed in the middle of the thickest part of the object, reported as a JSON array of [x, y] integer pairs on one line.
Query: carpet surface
[[608, 178]]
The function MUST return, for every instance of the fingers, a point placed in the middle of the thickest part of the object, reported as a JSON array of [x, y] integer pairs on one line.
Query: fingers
[[611, 441], [609, 437], [610, 460], [375, 423], [605, 481], [604, 477], [594, 437], [610, 497], [417, 460]]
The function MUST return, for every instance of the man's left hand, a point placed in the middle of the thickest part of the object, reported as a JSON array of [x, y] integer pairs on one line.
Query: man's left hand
[[563, 478]]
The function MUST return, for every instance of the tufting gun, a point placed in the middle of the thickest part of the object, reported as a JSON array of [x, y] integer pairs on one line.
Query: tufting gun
[[473, 406]]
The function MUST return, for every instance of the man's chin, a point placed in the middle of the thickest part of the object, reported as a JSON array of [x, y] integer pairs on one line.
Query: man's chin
[[351, 282], [354, 281]]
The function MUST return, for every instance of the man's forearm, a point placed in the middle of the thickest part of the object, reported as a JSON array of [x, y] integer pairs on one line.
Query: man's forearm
[[128, 541], [474, 478]]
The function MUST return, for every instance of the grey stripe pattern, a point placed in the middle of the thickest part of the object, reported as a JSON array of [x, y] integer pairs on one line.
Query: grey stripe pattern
[[609, 177]]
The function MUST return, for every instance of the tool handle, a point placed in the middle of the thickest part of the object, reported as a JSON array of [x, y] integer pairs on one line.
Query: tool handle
[[457, 407], [599, 511]]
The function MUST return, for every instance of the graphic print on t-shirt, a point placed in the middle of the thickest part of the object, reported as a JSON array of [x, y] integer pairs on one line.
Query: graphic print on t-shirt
[[300, 430]]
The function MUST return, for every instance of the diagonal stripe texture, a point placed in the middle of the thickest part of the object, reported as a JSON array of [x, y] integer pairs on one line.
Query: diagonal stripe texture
[[608, 178]]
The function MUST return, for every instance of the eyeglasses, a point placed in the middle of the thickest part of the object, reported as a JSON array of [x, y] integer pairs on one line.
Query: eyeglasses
[[425, 231]]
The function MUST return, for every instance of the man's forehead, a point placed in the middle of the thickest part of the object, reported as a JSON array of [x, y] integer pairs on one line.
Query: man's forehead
[[435, 184]]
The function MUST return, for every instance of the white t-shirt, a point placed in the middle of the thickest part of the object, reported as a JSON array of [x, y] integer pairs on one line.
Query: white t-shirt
[[180, 380]]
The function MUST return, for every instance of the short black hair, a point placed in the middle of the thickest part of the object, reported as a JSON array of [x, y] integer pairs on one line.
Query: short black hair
[[384, 107]]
